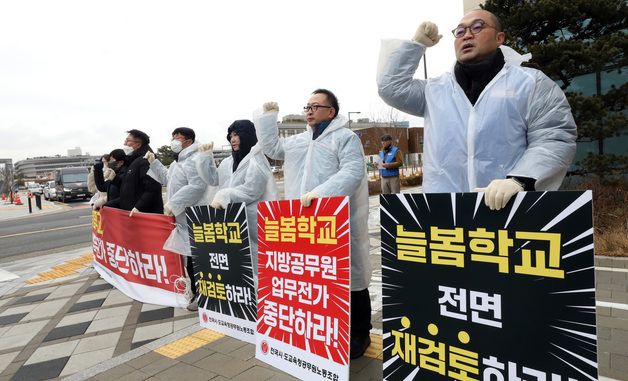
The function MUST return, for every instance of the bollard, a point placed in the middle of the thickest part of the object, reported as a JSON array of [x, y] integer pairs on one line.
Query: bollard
[[30, 205], [38, 200]]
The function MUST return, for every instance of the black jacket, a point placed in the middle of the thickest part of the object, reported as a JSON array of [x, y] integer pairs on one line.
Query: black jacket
[[137, 189], [113, 191]]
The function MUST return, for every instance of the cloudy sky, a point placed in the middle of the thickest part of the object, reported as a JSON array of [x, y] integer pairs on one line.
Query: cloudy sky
[[81, 73]]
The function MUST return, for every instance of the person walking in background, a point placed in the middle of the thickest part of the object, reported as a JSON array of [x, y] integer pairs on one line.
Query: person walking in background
[[328, 160], [138, 191], [184, 188], [391, 159], [491, 125]]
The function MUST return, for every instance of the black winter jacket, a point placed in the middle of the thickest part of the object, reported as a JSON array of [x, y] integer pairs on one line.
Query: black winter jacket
[[137, 188]]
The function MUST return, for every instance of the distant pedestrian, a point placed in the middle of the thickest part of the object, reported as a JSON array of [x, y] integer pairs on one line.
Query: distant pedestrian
[[391, 160]]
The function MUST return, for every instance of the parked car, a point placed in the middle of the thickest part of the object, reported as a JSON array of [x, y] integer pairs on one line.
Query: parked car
[[50, 191], [35, 188], [276, 169], [71, 183]]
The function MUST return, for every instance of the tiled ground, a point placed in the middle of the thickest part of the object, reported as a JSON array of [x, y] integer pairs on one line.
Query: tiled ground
[[79, 326], [61, 328]]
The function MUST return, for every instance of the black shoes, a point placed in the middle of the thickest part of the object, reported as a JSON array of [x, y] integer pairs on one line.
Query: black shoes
[[358, 346]]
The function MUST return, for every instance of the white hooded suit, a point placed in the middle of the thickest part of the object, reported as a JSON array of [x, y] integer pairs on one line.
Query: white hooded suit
[[331, 165]]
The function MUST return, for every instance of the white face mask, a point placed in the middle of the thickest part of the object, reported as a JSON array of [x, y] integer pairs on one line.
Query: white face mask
[[176, 146], [128, 150]]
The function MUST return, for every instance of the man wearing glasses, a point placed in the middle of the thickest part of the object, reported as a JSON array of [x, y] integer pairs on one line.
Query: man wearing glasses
[[491, 126], [328, 160]]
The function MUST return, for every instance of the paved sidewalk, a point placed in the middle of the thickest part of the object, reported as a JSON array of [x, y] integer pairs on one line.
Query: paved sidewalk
[[59, 319], [11, 211]]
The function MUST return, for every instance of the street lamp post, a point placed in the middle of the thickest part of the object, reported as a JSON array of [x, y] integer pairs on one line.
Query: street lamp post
[[349, 114]]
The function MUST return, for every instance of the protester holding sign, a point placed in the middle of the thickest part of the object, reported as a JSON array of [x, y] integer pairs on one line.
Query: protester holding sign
[[491, 123], [245, 176], [328, 160], [185, 188]]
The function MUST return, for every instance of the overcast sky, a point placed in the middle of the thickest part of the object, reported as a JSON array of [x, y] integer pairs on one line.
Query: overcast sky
[[81, 73]]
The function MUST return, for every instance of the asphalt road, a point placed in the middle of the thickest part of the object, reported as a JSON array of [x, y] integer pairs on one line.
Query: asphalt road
[[47, 233]]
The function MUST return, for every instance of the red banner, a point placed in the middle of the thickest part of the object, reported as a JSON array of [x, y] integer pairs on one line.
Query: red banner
[[129, 254], [303, 292]]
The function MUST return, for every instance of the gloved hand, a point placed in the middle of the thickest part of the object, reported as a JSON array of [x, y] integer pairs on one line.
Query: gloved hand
[[271, 107], [498, 192], [307, 198], [108, 174], [427, 34], [149, 156], [206, 147], [167, 210], [99, 203], [215, 204], [133, 211]]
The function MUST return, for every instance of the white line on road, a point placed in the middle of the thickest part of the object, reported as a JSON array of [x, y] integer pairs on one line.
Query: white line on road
[[612, 269], [45, 230]]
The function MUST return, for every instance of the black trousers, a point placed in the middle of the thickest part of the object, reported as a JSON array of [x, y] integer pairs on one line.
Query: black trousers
[[189, 266], [360, 313]]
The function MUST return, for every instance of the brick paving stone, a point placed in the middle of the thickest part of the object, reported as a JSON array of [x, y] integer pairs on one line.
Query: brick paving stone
[[372, 370], [223, 365], [134, 376], [159, 365], [256, 373], [182, 371], [619, 363], [226, 345], [195, 356], [245, 353], [619, 313], [30, 299], [114, 373], [41, 370], [283, 377], [358, 364], [145, 359]]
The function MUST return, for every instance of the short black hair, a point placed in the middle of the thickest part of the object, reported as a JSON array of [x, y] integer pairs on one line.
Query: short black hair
[[386, 137], [137, 134], [333, 101], [118, 154], [185, 131]]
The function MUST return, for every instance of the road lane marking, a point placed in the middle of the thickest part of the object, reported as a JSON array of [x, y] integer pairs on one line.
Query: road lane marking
[[45, 230]]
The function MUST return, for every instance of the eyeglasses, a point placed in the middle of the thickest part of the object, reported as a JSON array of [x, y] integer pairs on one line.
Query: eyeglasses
[[314, 108], [476, 27], [131, 140]]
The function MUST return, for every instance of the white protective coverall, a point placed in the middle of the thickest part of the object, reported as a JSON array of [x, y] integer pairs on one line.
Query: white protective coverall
[[184, 188], [521, 125], [251, 183], [331, 165]]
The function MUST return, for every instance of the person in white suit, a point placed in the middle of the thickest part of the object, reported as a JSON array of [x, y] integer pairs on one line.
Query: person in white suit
[[245, 176], [491, 125], [184, 188], [328, 160]]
